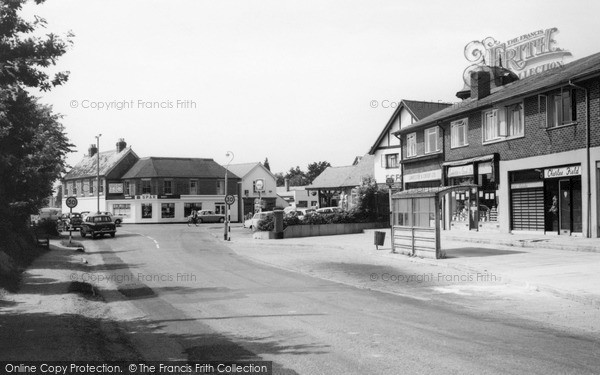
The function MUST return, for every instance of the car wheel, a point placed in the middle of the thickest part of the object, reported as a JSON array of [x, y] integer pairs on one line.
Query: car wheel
[[222, 220], [82, 232], [118, 222], [112, 235], [199, 221]]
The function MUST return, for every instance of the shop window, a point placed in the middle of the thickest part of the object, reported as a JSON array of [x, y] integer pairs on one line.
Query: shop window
[[561, 108], [411, 144], [91, 185], [302, 204], [146, 210], [189, 207], [431, 140], [167, 210], [101, 187], [220, 208], [458, 132], [123, 209]]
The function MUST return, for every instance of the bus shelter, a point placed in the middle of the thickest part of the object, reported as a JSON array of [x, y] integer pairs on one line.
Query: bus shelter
[[416, 219]]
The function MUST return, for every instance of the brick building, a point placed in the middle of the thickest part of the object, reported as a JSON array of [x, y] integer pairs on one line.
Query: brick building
[[532, 147]]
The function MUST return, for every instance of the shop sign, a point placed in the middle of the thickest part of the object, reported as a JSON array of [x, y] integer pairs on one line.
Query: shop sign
[[484, 168], [423, 176], [463, 170], [525, 55], [146, 196], [527, 185], [115, 188], [169, 196], [573, 170]]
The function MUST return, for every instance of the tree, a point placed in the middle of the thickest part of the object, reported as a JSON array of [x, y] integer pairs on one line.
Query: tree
[[266, 164], [33, 144], [315, 169], [296, 177], [280, 178]]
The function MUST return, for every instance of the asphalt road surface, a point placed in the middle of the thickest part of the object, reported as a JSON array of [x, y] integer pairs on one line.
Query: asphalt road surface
[[189, 297]]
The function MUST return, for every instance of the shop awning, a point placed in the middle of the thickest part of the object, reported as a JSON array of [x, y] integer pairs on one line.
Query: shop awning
[[469, 161], [430, 191]]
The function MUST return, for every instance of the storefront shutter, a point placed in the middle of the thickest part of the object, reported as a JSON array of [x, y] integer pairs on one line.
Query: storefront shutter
[[527, 209]]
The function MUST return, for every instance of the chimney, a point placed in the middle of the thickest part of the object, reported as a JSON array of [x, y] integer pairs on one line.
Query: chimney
[[480, 84], [92, 150], [286, 183], [121, 145]]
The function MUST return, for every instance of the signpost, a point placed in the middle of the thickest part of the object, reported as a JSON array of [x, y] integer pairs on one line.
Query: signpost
[[71, 203], [259, 186], [229, 200]]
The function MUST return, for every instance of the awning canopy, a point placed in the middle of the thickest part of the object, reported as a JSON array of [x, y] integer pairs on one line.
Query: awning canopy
[[430, 191], [469, 161]]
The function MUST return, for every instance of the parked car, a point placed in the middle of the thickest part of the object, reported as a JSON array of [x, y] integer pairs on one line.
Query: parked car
[[303, 212], [205, 216], [252, 223], [72, 220], [98, 225], [328, 210], [117, 219]]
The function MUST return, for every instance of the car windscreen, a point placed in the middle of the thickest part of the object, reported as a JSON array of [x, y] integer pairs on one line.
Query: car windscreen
[[101, 219]]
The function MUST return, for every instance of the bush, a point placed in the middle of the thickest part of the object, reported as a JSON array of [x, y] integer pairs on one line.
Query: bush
[[266, 225]]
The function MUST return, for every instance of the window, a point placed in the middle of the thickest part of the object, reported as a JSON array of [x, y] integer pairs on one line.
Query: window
[[411, 144], [146, 186], [391, 161], [220, 208], [220, 187], [91, 184], [189, 207], [302, 204], [129, 188], [431, 140], [167, 210], [193, 187], [167, 187], [491, 128], [458, 133], [146, 210], [561, 108], [514, 115], [101, 188], [123, 209]]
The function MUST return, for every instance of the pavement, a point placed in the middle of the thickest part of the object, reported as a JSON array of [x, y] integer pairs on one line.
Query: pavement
[[567, 267]]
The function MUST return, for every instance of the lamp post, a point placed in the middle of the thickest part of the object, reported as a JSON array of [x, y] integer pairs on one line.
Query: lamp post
[[230, 155], [98, 170]]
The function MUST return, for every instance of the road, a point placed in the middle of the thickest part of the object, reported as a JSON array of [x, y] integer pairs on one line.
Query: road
[[183, 294]]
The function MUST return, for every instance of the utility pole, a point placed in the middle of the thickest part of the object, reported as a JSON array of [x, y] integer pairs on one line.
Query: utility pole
[[98, 170]]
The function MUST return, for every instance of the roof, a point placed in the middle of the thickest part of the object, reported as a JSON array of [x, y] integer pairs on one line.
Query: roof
[[88, 166], [418, 109], [548, 79], [347, 176], [243, 169], [150, 167]]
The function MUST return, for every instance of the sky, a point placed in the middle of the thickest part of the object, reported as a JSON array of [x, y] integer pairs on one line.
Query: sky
[[292, 81]]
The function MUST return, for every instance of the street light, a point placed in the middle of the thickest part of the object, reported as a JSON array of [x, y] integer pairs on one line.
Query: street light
[[98, 170], [229, 154]]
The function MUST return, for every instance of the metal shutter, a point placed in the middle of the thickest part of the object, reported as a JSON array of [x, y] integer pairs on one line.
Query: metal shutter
[[527, 207]]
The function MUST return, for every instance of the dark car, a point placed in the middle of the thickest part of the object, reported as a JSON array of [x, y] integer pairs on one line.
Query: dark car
[[205, 216], [98, 225]]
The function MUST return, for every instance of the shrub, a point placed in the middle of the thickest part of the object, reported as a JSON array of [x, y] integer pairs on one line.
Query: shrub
[[267, 224]]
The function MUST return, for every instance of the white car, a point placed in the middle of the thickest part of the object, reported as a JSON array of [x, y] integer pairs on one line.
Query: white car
[[252, 223], [329, 210]]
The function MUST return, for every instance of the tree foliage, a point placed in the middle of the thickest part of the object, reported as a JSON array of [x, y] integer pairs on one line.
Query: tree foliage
[[298, 177], [33, 144], [266, 164]]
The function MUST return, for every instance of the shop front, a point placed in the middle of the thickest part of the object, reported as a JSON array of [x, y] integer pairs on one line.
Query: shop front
[[473, 205], [427, 179], [547, 200]]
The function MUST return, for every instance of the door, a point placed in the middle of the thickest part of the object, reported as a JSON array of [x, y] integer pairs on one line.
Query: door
[[564, 198]]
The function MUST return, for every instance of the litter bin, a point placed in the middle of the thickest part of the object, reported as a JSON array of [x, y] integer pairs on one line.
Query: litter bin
[[379, 239]]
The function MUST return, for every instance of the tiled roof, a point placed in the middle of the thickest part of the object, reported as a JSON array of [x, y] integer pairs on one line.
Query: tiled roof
[[418, 109], [347, 176], [526, 86], [177, 167], [87, 167], [243, 169]]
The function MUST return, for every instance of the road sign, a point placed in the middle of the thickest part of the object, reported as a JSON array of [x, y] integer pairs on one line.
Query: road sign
[[229, 199], [71, 202]]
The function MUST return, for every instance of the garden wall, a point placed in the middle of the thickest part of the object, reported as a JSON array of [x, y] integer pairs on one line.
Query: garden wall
[[314, 230]]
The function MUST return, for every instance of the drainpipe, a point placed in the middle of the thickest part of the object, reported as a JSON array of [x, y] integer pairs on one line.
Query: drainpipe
[[587, 155]]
